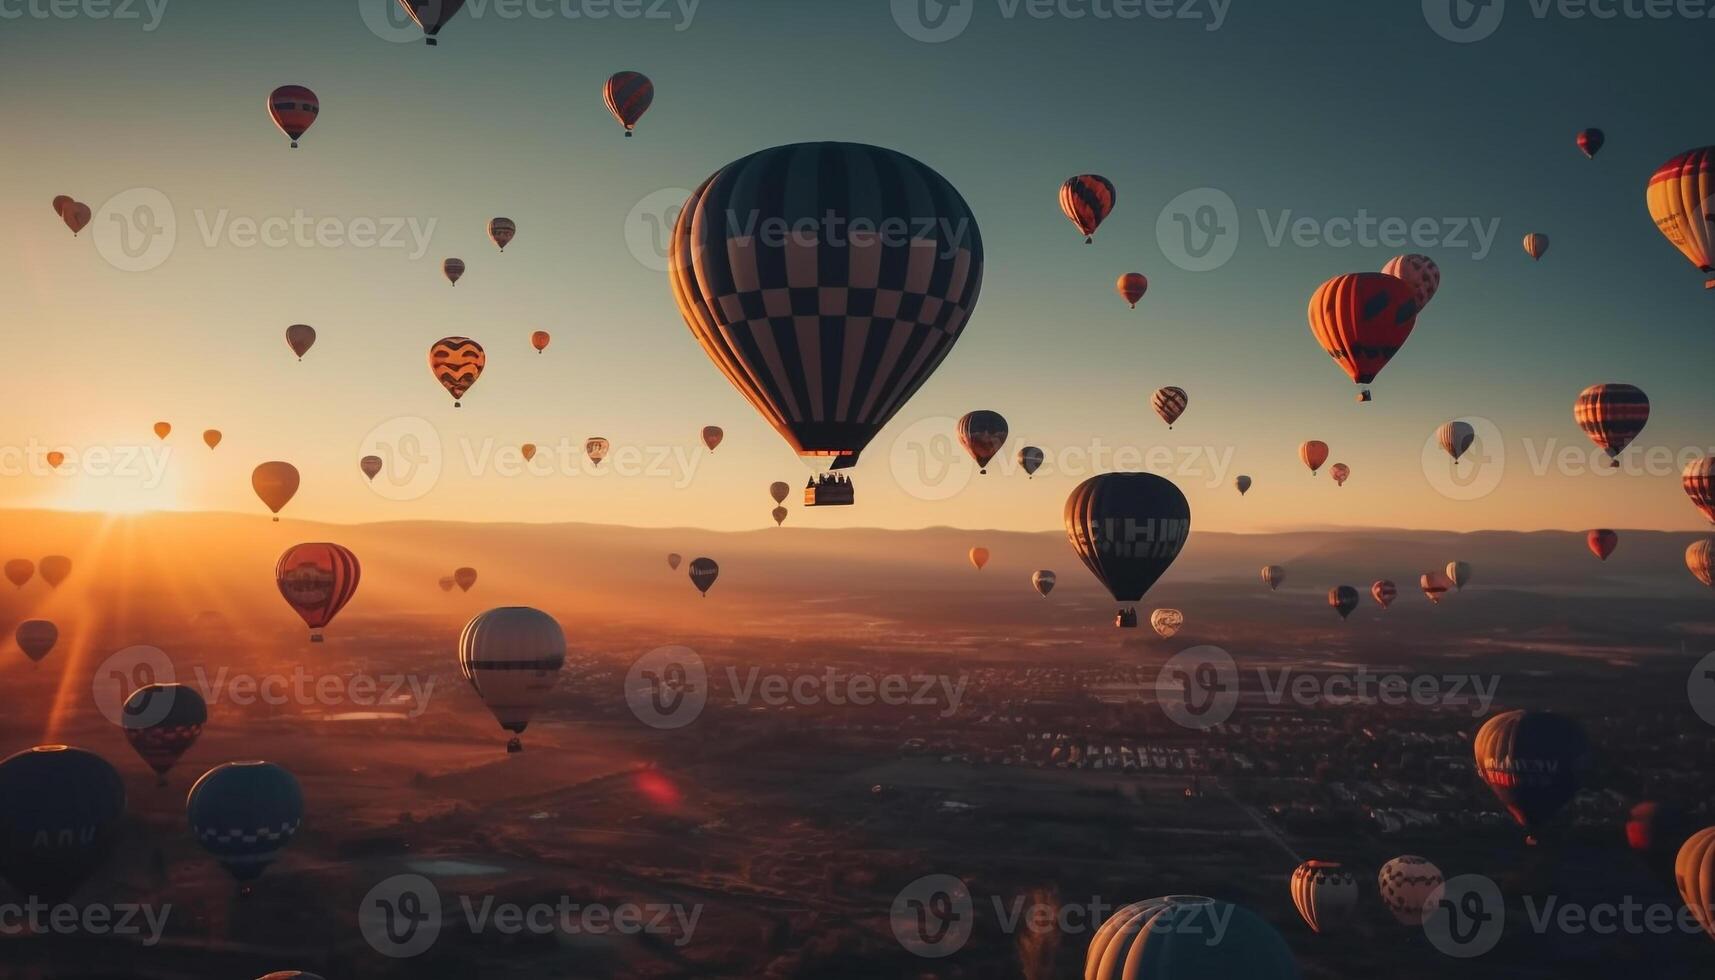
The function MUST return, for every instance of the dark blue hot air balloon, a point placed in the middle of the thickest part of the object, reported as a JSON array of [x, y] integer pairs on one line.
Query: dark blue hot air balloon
[[60, 809], [244, 813]]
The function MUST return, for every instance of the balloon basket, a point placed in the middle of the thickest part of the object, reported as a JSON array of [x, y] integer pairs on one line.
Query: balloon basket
[[315, 638], [514, 746], [431, 42], [1365, 396]]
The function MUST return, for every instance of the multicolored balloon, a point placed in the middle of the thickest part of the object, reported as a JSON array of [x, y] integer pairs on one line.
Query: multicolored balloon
[[982, 433], [1459, 573], [512, 658], [456, 363], [162, 722], [1694, 870], [245, 813], [1678, 198], [1700, 559], [1325, 894], [1536, 245], [1362, 320], [1169, 403], [628, 95], [294, 109], [1435, 585], [1533, 760], [596, 448], [1612, 415], [276, 483], [317, 580], [501, 231], [1087, 200], [1341, 473], [1456, 438], [1699, 483], [1419, 272]]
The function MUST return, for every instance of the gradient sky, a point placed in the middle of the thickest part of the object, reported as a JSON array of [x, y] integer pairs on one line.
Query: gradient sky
[[1306, 110]]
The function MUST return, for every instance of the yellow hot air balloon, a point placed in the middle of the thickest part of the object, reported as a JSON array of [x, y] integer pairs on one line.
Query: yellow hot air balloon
[[979, 557], [1678, 198], [211, 437], [276, 483]]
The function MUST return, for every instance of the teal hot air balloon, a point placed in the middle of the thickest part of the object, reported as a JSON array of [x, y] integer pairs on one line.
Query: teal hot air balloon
[[1127, 528], [245, 813], [1187, 937], [60, 809]]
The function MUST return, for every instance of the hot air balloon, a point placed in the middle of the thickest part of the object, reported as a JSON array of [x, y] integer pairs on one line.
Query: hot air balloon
[[1243, 483], [300, 337], [1533, 760], [1694, 870], [779, 515], [464, 578], [596, 449], [1343, 599], [1455, 438], [673, 561], [60, 812], [1384, 592], [162, 722], [1406, 884], [890, 309], [370, 465], [1086, 200], [1678, 196], [1700, 558], [76, 216], [712, 436], [445, 582], [1314, 453], [1030, 460], [1341, 473], [36, 637], [1536, 245], [1699, 483], [294, 109], [1042, 580], [1167, 622], [1435, 585], [1132, 286], [54, 569], [163, 429], [982, 433], [276, 483], [431, 15], [1187, 937], [1362, 319], [501, 231], [1272, 576], [528, 451], [1419, 272], [539, 340], [244, 813], [1459, 572], [512, 657], [19, 571], [1590, 142], [1127, 528], [628, 95], [1612, 415], [453, 269], [979, 557], [55, 458], [211, 437], [1326, 895], [779, 489], [457, 363], [1602, 542], [1169, 403], [317, 579], [704, 571]]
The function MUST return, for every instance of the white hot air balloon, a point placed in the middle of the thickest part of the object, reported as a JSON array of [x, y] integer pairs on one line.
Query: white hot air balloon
[[512, 656]]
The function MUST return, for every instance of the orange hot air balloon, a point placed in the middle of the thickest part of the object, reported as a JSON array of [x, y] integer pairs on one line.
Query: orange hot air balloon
[[712, 436], [528, 450], [1087, 200], [294, 109], [1341, 473], [445, 582], [596, 449], [1700, 559], [628, 95], [979, 557], [76, 216], [539, 340], [464, 578], [456, 363], [300, 337], [276, 483], [55, 458], [501, 231], [1314, 453], [370, 465], [54, 569], [19, 571], [1536, 245], [453, 269], [1132, 286], [211, 437], [1362, 320], [162, 429], [1602, 542], [778, 490], [317, 580], [1678, 198]]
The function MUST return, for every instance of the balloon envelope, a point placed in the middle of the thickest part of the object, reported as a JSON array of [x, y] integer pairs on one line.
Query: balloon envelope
[[317, 580], [1612, 415], [211, 437], [1602, 542], [1169, 403], [1313, 454], [539, 340], [1678, 198], [1694, 870], [54, 569], [1131, 287], [1086, 200], [1177, 938], [1272, 576], [244, 813], [294, 109], [1343, 599], [1533, 760], [1700, 558], [1362, 320], [982, 433], [1406, 883], [1325, 894], [431, 15], [979, 557], [712, 436], [628, 95], [1030, 459], [779, 490], [453, 269], [36, 637], [300, 337], [275, 483], [1419, 272], [512, 658], [1042, 581], [60, 811], [704, 571], [19, 571], [501, 231], [456, 363], [464, 578], [1127, 528], [162, 722]]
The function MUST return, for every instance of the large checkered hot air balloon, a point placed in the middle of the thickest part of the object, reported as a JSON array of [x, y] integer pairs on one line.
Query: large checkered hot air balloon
[[245, 813], [1612, 415], [317, 580], [826, 281]]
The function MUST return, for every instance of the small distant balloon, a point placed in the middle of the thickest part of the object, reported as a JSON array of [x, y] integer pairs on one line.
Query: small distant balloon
[[211, 437], [1243, 483], [1536, 245], [712, 436], [294, 109], [370, 465], [1590, 142], [1042, 581], [1700, 559], [779, 514], [55, 458], [628, 95], [1030, 460], [1131, 287], [1343, 599], [1460, 574], [54, 569], [1455, 438], [673, 561], [1314, 453], [501, 231], [539, 340], [1341, 473], [446, 583], [275, 483], [1699, 484], [982, 433], [1272, 576], [1612, 415], [36, 637], [704, 571], [779, 490], [464, 578], [431, 16], [1602, 542], [1169, 403], [1419, 272], [457, 363], [1384, 592], [1087, 200], [1167, 622], [300, 337], [76, 216], [528, 451], [1435, 585], [20, 571], [453, 269], [163, 429], [596, 448], [979, 557]]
